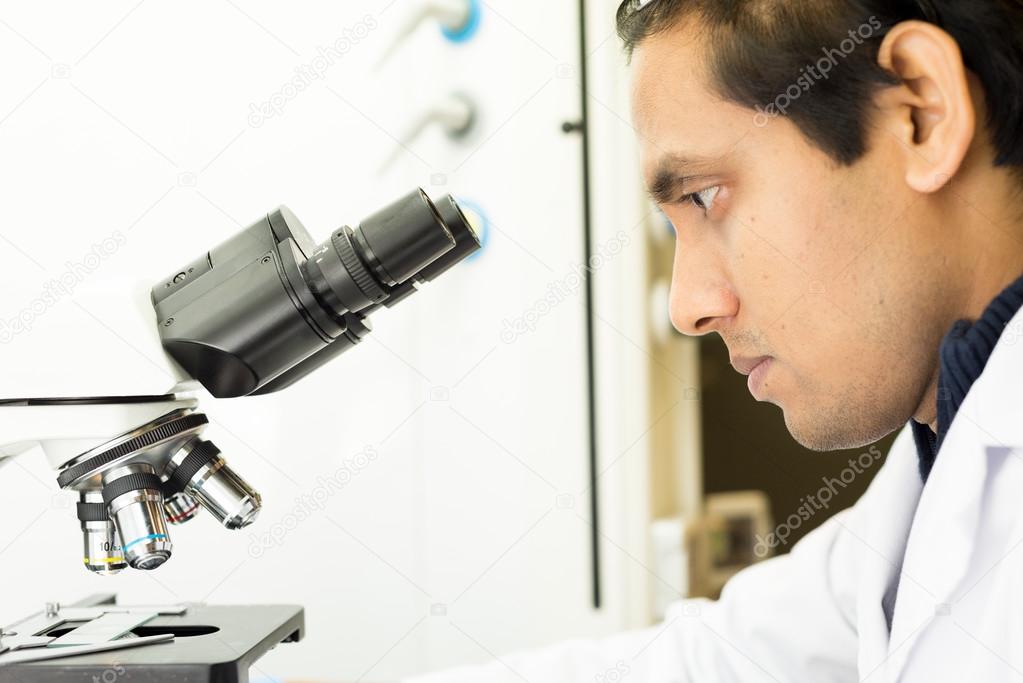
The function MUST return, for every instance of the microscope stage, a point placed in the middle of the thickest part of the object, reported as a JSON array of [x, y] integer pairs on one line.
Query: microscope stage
[[211, 644]]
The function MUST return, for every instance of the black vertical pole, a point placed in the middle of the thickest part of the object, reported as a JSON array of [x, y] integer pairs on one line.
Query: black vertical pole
[[591, 373]]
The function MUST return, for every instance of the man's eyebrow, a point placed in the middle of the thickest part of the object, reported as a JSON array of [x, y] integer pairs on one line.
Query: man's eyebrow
[[674, 171]]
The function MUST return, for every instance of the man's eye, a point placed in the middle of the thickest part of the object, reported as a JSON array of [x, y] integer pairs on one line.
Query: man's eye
[[704, 199]]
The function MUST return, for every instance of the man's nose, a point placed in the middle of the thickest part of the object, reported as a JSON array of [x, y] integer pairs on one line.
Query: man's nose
[[702, 299]]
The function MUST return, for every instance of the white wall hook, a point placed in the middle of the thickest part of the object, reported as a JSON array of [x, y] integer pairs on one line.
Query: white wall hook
[[456, 114], [453, 16]]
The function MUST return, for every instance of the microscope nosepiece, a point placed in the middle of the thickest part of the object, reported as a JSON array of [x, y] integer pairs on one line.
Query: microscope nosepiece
[[134, 486]]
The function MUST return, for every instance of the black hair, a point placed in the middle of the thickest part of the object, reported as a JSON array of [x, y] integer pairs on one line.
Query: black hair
[[768, 55]]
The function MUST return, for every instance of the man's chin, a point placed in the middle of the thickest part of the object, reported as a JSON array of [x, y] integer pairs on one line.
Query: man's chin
[[817, 432]]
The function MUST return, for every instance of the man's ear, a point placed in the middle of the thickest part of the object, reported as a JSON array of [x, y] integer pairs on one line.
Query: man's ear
[[931, 111]]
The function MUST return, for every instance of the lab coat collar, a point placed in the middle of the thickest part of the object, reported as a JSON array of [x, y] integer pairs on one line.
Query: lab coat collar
[[943, 534]]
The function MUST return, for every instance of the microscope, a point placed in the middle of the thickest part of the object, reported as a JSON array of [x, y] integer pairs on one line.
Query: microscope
[[251, 316]]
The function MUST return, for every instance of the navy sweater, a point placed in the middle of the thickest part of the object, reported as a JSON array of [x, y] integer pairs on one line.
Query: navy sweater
[[964, 353]]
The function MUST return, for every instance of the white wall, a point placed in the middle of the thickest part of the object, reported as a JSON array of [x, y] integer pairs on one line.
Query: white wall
[[451, 543]]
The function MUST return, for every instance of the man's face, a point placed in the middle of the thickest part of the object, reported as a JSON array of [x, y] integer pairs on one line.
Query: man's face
[[827, 270]]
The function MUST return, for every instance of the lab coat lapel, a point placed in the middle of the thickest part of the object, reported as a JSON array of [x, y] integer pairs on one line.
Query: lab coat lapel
[[884, 545], [943, 535]]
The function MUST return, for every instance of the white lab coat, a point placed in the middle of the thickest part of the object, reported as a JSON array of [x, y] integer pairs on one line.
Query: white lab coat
[[954, 547]]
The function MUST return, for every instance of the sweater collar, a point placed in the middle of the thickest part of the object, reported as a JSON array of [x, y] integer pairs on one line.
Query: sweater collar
[[963, 354]]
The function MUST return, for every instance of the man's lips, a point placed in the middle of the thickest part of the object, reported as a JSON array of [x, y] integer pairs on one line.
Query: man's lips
[[757, 369], [744, 365]]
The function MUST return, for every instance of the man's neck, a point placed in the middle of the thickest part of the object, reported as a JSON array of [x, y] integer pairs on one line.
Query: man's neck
[[987, 245], [989, 280], [983, 292]]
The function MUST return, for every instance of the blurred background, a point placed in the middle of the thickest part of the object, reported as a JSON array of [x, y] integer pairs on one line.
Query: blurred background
[[527, 452]]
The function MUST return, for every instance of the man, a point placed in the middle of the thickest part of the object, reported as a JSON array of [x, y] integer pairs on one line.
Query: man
[[844, 180]]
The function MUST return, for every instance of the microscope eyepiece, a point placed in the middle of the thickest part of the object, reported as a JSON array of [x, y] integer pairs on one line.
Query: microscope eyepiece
[[466, 240], [357, 268], [266, 307], [403, 238]]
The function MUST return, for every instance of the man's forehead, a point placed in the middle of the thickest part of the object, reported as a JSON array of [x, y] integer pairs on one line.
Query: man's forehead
[[672, 53], [690, 138], [669, 87], [680, 123]]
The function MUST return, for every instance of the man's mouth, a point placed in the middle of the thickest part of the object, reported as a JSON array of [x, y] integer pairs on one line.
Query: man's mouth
[[755, 369]]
